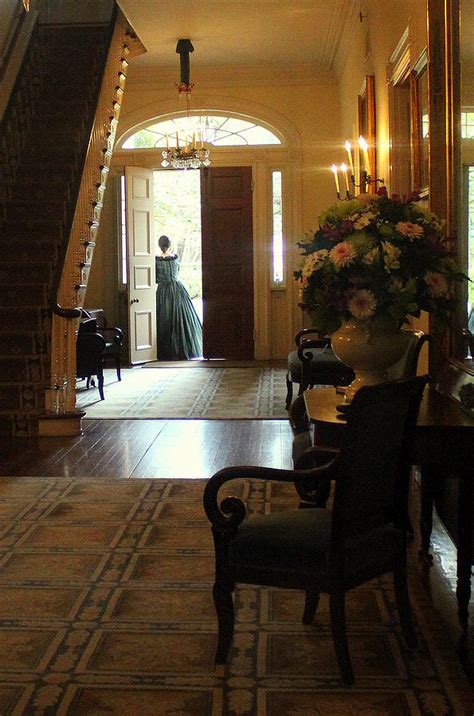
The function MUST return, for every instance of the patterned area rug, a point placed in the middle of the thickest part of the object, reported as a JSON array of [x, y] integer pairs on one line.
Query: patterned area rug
[[106, 607], [217, 393]]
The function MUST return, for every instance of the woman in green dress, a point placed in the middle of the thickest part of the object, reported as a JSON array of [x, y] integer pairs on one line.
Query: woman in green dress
[[179, 330]]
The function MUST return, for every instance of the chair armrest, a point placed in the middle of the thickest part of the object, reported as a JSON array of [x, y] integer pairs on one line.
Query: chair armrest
[[231, 512], [315, 457], [302, 335], [304, 349], [115, 333]]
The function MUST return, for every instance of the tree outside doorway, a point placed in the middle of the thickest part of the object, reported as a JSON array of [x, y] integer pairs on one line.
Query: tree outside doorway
[[177, 214]]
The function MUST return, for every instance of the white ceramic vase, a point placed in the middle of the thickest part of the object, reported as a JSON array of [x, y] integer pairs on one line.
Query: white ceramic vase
[[368, 349]]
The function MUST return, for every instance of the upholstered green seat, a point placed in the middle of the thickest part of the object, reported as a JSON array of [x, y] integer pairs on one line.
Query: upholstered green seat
[[301, 540]]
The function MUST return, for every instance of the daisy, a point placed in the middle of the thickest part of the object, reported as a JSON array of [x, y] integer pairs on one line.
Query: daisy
[[412, 231], [342, 254], [362, 304]]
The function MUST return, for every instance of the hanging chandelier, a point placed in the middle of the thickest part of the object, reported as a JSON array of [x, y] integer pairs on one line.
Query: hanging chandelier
[[185, 149]]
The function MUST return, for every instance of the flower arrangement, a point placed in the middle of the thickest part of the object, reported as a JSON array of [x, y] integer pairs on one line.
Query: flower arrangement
[[377, 259]]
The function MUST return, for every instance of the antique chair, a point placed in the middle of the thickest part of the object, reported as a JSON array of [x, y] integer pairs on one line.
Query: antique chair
[[317, 550], [113, 336], [313, 363], [90, 348], [303, 457]]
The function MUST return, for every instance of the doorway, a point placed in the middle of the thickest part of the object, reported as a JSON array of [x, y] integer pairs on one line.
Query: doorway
[[177, 214], [208, 217]]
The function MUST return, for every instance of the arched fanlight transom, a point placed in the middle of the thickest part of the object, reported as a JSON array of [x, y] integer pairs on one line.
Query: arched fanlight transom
[[218, 131]]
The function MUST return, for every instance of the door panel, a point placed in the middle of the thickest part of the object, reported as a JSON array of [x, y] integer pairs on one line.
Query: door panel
[[141, 264], [227, 263]]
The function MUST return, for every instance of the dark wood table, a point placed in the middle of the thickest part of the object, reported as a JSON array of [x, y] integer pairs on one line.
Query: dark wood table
[[444, 446]]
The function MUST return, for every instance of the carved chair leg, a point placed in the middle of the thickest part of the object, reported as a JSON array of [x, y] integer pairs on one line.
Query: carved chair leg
[[117, 367], [400, 586], [339, 635], [289, 392], [224, 605], [310, 606], [100, 380]]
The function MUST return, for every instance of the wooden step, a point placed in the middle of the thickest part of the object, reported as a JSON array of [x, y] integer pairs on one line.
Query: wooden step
[[35, 319], [25, 343], [28, 294], [19, 369], [14, 273], [21, 396], [26, 250]]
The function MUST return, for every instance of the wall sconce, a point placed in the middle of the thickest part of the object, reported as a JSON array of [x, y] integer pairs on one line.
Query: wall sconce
[[348, 172]]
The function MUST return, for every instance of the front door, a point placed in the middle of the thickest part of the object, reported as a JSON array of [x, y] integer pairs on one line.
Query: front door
[[141, 264], [227, 263]]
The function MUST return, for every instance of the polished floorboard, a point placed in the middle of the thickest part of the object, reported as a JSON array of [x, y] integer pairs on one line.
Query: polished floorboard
[[196, 449], [151, 448]]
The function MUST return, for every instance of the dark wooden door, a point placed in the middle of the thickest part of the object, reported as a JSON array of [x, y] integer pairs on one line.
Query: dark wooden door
[[227, 263]]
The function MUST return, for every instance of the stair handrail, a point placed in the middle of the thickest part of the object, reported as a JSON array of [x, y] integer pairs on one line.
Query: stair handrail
[[72, 283]]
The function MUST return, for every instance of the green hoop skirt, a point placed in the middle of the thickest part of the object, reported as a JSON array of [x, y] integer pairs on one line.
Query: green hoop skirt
[[179, 330]]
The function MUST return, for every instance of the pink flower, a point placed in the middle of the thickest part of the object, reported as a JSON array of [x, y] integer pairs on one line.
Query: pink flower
[[362, 304], [342, 254], [410, 230], [437, 284]]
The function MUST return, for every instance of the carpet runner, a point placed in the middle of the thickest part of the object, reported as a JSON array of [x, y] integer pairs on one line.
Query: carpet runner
[[106, 607], [217, 393]]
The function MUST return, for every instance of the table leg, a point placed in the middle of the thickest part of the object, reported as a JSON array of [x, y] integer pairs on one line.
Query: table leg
[[464, 552], [427, 503]]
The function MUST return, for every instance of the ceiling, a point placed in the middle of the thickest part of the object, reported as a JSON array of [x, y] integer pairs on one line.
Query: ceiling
[[239, 32]]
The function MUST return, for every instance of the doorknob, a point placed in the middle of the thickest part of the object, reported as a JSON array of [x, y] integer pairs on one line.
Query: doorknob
[[134, 300]]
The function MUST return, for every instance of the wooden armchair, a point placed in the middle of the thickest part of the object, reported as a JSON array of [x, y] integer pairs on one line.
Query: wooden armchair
[[113, 336], [314, 363], [90, 349], [317, 550]]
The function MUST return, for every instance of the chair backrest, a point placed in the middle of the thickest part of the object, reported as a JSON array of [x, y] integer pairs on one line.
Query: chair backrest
[[89, 353], [378, 442], [408, 363]]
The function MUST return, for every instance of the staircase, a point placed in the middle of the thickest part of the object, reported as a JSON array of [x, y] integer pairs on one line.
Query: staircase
[[46, 137]]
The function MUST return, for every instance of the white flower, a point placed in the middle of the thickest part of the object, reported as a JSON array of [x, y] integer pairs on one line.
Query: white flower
[[437, 284], [313, 263], [391, 256], [342, 254], [407, 228], [364, 220], [362, 304], [371, 256]]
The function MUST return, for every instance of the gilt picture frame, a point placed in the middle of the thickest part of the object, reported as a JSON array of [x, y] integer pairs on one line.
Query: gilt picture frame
[[420, 128], [366, 122]]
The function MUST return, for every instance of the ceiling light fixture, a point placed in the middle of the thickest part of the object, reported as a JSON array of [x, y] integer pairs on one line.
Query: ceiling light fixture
[[185, 149]]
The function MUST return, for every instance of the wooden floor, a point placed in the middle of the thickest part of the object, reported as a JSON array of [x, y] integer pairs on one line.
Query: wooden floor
[[197, 449], [151, 448]]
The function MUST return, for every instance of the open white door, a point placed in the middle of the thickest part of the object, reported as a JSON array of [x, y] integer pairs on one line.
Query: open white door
[[141, 264]]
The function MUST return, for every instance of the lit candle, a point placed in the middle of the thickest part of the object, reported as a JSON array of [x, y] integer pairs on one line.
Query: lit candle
[[167, 141], [336, 178], [177, 140], [201, 137], [344, 171], [194, 140], [365, 153], [349, 156]]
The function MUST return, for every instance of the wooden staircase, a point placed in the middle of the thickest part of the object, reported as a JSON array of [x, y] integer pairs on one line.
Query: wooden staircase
[[47, 134]]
